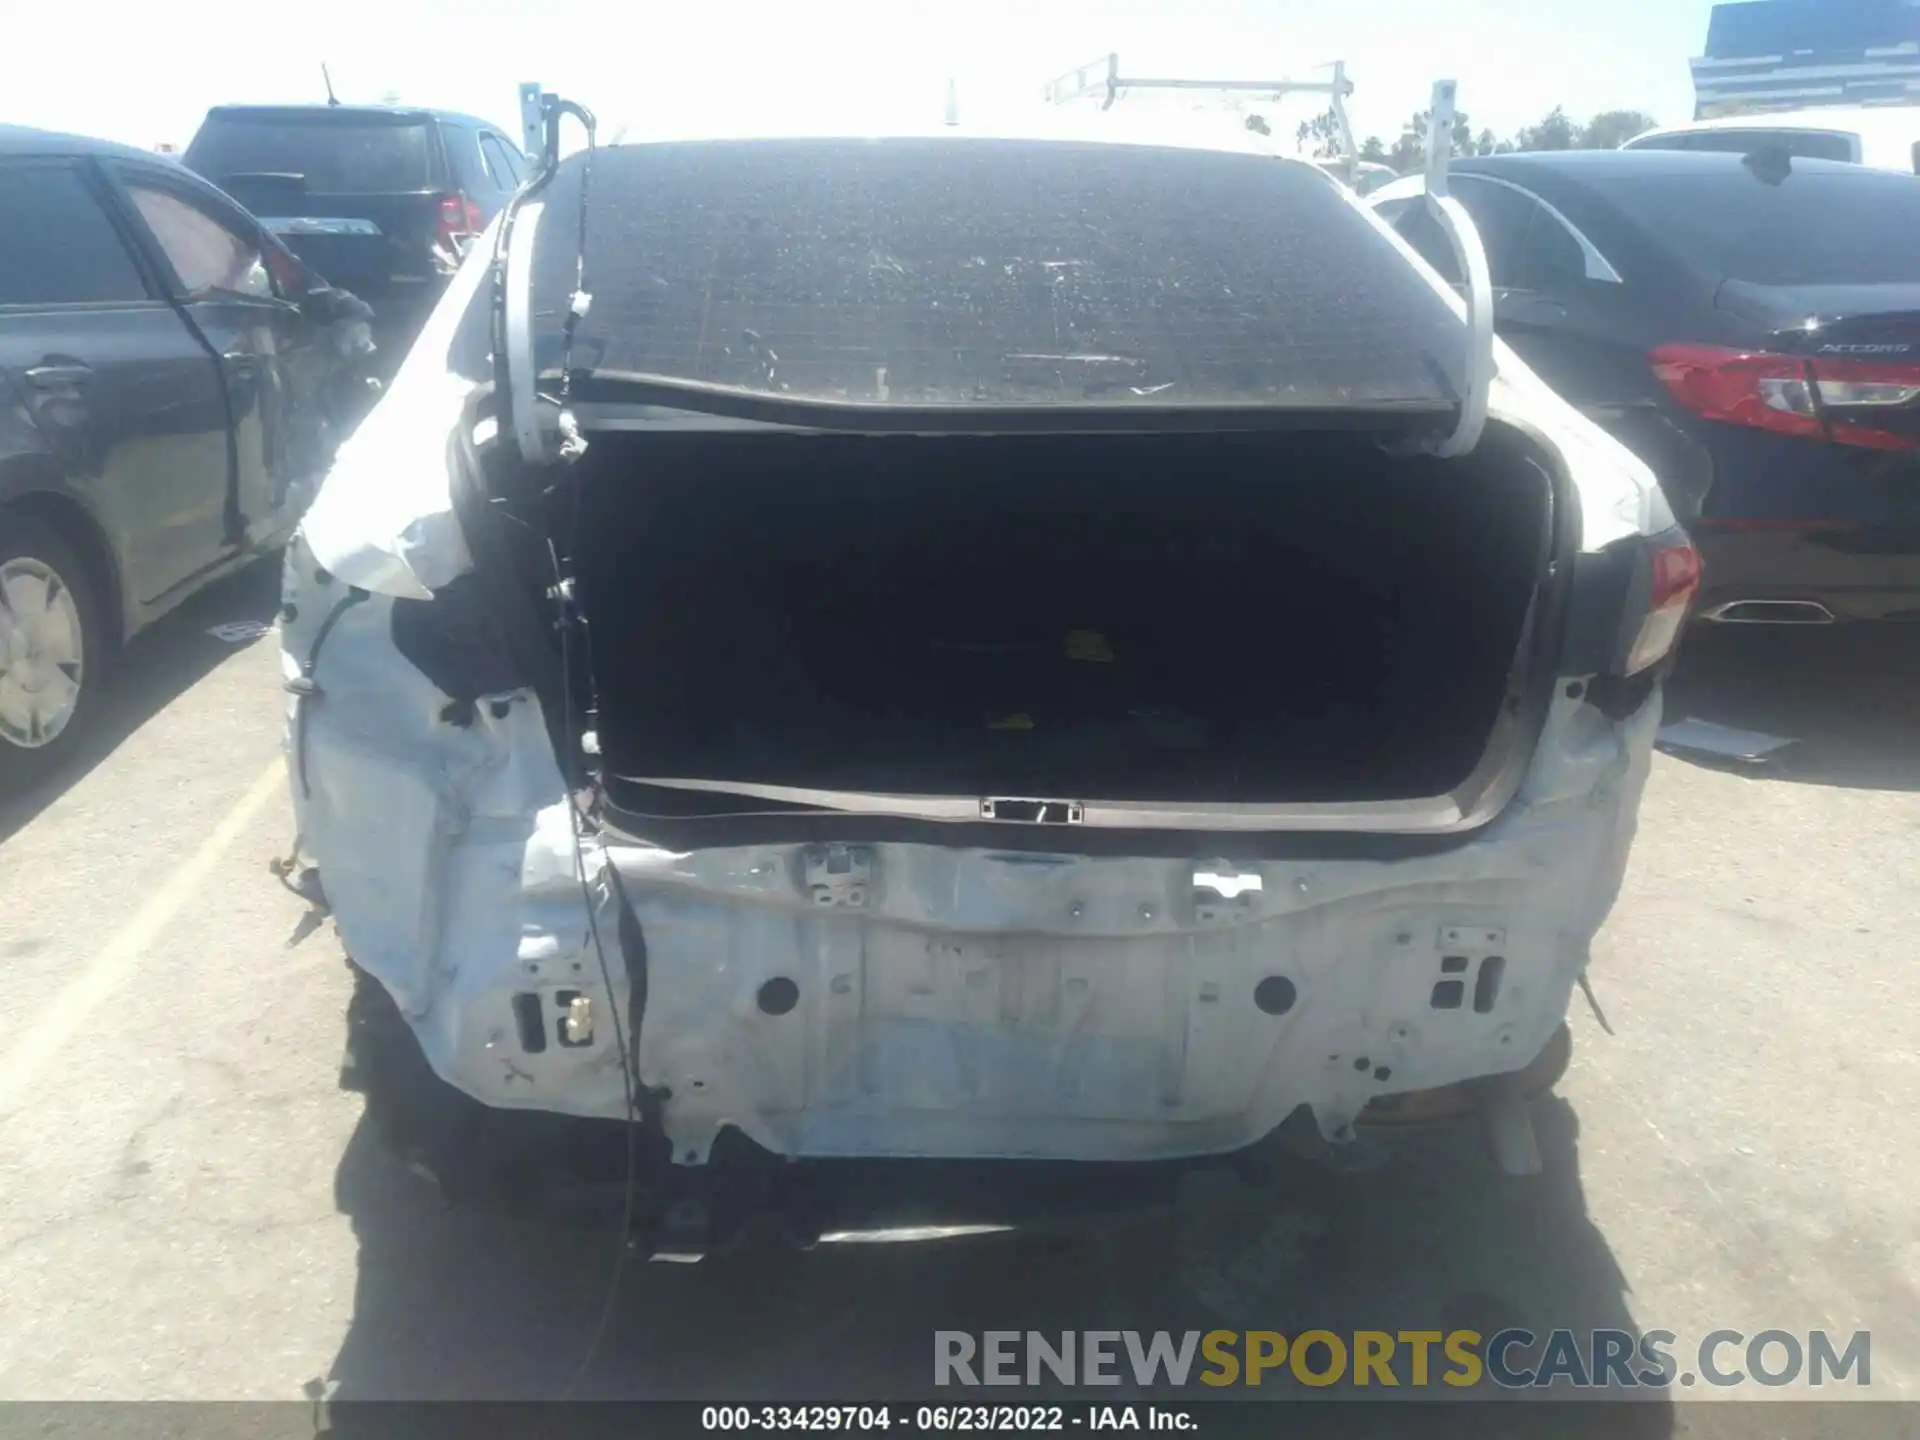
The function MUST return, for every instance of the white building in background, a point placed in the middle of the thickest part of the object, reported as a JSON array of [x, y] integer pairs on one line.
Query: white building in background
[[1794, 54]]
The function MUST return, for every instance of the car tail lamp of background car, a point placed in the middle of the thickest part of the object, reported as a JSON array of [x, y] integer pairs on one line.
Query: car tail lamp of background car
[[1821, 399], [290, 280], [1676, 579], [459, 221]]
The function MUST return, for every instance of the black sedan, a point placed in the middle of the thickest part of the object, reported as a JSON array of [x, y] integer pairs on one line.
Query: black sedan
[[1750, 326], [172, 383]]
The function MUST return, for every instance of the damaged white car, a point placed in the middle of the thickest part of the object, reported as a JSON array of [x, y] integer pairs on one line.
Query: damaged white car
[[970, 648]]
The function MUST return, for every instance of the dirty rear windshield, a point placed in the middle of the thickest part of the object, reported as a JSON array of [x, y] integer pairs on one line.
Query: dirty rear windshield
[[1819, 225], [954, 271], [337, 154]]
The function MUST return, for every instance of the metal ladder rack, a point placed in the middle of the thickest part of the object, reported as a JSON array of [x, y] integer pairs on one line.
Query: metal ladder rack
[[1104, 77]]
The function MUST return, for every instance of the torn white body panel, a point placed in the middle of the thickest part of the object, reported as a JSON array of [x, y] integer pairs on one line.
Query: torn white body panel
[[384, 518], [910, 999]]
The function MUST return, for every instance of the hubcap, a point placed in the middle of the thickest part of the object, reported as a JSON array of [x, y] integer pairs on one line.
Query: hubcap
[[42, 653]]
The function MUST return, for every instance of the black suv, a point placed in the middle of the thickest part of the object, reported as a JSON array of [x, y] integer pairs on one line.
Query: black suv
[[172, 384], [382, 200]]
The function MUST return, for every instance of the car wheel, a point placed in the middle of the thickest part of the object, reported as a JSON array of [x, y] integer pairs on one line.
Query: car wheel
[[53, 642]]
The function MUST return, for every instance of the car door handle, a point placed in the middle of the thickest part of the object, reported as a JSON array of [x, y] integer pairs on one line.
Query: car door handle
[[53, 375]]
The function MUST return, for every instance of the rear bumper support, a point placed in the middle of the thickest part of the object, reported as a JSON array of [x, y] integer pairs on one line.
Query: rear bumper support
[[969, 1003]]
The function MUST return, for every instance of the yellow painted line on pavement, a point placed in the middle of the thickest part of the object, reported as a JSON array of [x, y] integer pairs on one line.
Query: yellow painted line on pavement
[[55, 1025]]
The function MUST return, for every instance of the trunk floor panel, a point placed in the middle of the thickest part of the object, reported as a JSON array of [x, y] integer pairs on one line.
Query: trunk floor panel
[[1215, 618]]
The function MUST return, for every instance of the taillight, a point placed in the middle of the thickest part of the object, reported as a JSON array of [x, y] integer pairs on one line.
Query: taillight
[[1789, 394], [459, 221], [289, 279], [1676, 579]]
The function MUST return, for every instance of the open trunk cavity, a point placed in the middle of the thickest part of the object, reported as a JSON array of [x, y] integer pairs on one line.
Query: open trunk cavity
[[1230, 618]]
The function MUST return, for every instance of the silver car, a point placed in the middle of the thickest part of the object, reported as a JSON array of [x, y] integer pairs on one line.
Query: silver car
[[988, 649]]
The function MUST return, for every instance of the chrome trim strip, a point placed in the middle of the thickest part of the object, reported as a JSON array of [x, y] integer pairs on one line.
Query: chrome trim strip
[[1728, 613], [1429, 816]]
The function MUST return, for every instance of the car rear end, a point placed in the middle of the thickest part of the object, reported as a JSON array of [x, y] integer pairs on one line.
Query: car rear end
[[1800, 385], [1044, 699], [1886, 137], [364, 195]]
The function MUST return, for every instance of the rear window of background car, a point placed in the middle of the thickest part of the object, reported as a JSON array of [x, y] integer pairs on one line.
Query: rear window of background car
[[502, 163], [57, 246], [336, 156], [1527, 248], [1828, 225]]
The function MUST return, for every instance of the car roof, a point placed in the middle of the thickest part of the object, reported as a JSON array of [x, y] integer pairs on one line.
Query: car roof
[[1902, 120], [1578, 165], [1594, 191], [347, 112], [17, 140]]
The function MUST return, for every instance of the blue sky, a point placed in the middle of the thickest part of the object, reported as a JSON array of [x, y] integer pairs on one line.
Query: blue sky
[[723, 65]]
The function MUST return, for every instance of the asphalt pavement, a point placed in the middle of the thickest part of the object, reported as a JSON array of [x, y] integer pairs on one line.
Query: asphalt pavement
[[193, 1207]]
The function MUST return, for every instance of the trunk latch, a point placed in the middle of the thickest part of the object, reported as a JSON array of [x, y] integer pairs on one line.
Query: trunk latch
[[1032, 812], [838, 876]]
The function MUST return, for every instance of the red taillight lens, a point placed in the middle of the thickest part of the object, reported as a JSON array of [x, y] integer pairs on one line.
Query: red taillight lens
[[1820, 399], [1769, 392], [1676, 579], [459, 221], [289, 280]]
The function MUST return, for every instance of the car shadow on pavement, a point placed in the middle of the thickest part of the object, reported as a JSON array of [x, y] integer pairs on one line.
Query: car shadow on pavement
[[454, 1303], [1848, 697], [156, 668]]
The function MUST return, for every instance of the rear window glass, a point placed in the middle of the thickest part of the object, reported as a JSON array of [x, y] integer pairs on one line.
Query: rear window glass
[[1800, 144], [955, 271], [1824, 225], [336, 156]]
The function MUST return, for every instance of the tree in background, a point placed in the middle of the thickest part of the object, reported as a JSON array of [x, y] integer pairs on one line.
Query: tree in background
[[1611, 129], [1556, 132], [1409, 152], [1608, 130], [1320, 136]]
